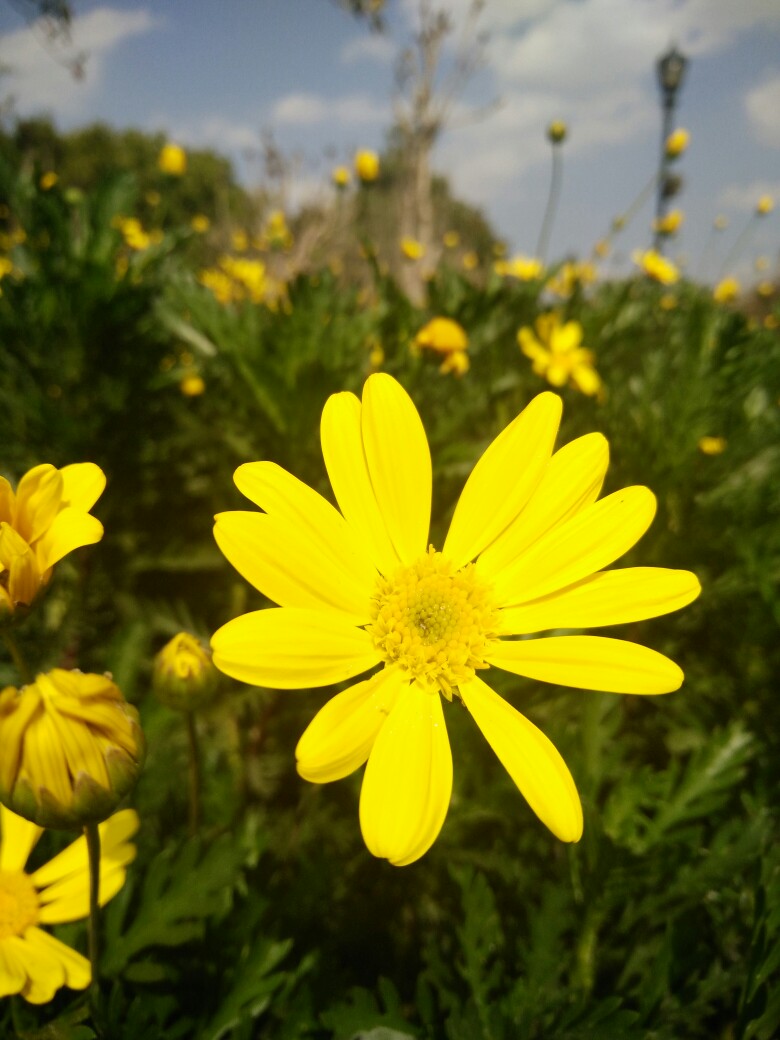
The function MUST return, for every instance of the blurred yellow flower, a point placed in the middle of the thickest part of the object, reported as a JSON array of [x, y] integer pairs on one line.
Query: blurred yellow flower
[[712, 445], [48, 180], [457, 362], [667, 302], [6, 267], [44, 520], [720, 223], [133, 233], [556, 353], [451, 239], [443, 335], [153, 198], [602, 248], [765, 289], [765, 205], [33, 963], [72, 749], [376, 356], [192, 385], [341, 176], [569, 276], [669, 224], [183, 677], [366, 165], [726, 290], [470, 261], [240, 240], [499, 250], [172, 160], [525, 268], [200, 223], [363, 591], [761, 263], [676, 143], [771, 321], [556, 131], [412, 249], [276, 230], [657, 267]]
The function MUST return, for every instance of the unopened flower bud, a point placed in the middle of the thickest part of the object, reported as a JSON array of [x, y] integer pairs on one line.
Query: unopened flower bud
[[184, 677], [72, 748], [556, 131]]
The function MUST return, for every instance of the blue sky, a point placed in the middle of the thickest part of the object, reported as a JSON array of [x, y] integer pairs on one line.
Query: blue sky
[[219, 73]]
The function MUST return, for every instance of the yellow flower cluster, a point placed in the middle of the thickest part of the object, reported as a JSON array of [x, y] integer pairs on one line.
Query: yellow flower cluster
[[135, 236], [236, 279], [524, 268], [570, 276], [556, 353]]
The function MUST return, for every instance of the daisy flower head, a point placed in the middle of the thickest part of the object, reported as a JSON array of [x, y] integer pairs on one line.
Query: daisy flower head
[[556, 352], [362, 593], [33, 963]]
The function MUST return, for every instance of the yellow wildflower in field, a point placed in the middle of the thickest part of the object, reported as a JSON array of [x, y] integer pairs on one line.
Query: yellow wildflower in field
[[657, 267], [668, 302], [341, 176], [33, 963], [451, 239], [470, 261], [412, 249], [524, 268], [557, 355], [200, 223], [220, 285], [669, 224], [72, 748], [602, 248], [771, 321], [362, 588], [446, 337], [676, 143], [192, 385], [712, 445], [570, 276], [556, 131], [239, 240], [46, 518], [133, 233], [766, 289], [6, 266], [761, 263], [276, 230], [172, 160], [765, 205], [457, 362], [48, 180], [726, 290], [366, 165], [720, 223]]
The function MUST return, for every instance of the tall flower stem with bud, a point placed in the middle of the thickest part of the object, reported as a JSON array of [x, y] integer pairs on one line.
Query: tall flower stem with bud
[[763, 208], [556, 133]]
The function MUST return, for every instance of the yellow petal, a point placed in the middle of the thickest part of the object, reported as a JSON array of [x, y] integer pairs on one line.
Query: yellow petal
[[568, 337], [589, 663], [13, 972], [45, 759], [529, 757], [557, 373], [399, 464], [503, 479], [609, 598], [408, 779], [115, 848], [571, 482], [70, 529], [345, 460], [296, 565], [83, 484], [76, 968], [290, 648], [44, 970], [339, 738], [7, 500], [17, 840], [589, 541], [586, 379], [38, 498]]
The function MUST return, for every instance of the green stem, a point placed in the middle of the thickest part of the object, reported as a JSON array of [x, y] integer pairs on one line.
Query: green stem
[[92, 835], [736, 249], [552, 203], [20, 663], [194, 774], [625, 218]]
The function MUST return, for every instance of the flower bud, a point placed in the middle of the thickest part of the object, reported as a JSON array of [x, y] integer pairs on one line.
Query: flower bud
[[556, 131], [72, 749], [184, 677], [366, 166], [676, 143]]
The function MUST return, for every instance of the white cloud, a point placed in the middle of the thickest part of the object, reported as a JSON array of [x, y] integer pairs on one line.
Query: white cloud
[[310, 109], [763, 109], [38, 81], [743, 197], [215, 132], [374, 48]]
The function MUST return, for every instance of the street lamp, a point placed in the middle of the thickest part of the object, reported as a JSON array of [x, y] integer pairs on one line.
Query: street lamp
[[671, 68]]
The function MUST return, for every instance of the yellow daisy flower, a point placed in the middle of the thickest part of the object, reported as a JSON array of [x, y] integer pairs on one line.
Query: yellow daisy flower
[[366, 165], [726, 290], [557, 355], [45, 519], [412, 249], [442, 335], [362, 588], [33, 963], [676, 143], [657, 267], [172, 160]]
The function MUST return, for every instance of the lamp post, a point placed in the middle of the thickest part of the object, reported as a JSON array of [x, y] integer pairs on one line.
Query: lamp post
[[670, 69]]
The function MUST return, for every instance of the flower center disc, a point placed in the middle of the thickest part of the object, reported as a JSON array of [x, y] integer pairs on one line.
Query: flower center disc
[[18, 903], [436, 623]]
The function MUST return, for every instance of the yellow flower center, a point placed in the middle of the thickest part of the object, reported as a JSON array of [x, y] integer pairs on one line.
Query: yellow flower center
[[436, 623], [18, 903]]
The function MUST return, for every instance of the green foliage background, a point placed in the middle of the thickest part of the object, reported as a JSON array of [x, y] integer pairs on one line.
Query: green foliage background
[[664, 922]]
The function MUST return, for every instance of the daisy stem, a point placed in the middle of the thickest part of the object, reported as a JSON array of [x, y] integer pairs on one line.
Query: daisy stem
[[195, 782], [552, 204], [736, 249], [92, 835], [16, 657]]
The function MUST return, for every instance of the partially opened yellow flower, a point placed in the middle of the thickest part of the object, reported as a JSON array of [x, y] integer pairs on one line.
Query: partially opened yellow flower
[[726, 291], [557, 354], [361, 589], [670, 223], [172, 160], [33, 963], [72, 748], [412, 249], [442, 335], [765, 205], [676, 143], [341, 176], [657, 267], [366, 165], [46, 518]]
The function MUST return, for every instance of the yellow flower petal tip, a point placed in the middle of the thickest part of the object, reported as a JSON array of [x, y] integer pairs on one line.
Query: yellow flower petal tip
[[360, 586], [33, 964]]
